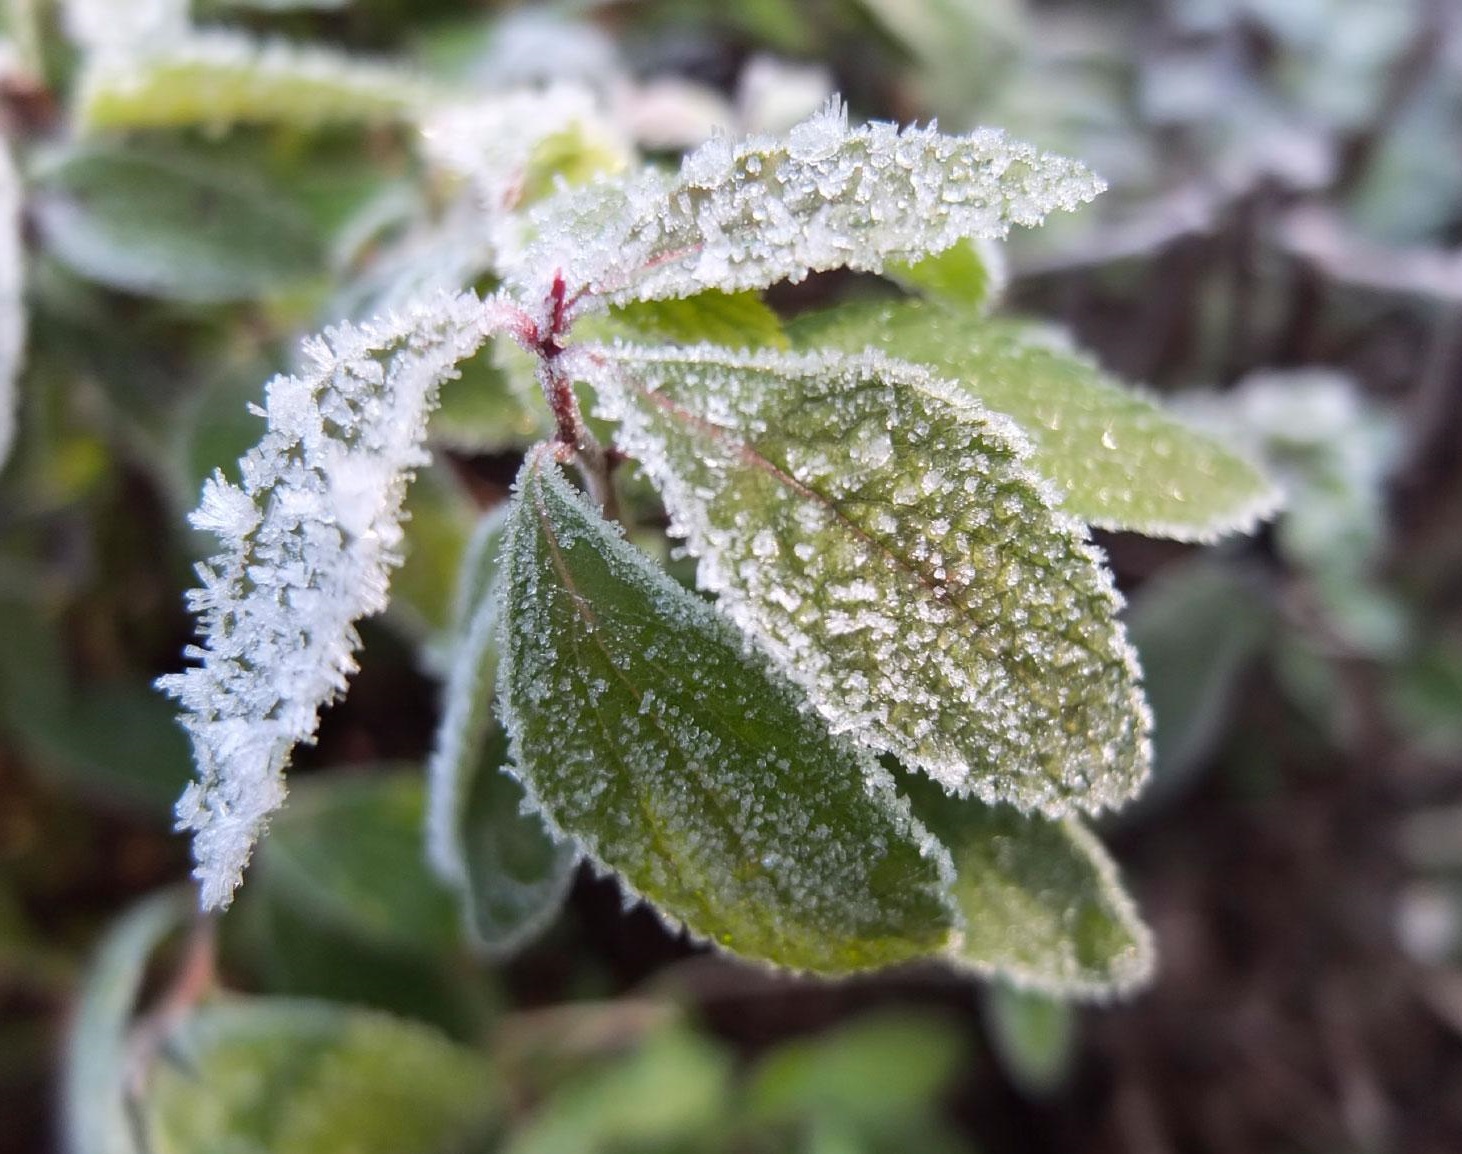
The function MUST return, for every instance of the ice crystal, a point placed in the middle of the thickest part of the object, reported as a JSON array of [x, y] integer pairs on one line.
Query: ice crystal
[[642, 727], [309, 539], [748, 215], [879, 532], [12, 305]]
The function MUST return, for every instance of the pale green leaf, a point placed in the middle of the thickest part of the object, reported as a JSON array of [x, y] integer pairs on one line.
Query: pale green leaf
[[879, 1069], [94, 1107], [676, 1086], [970, 275], [736, 320], [279, 1076], [642, 727], [1121, 460], [169, 226], [346, 851], [1033, 1035], [219, 78], [441, 514], [1196, 627], [1042, 903], [879, 532], [512, 877], [489, 410]]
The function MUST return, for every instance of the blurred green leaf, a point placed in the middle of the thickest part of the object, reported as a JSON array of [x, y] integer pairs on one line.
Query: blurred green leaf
[[673, 1088], [1196, 626], [441, 514], [163, 224], [117, 740], [1033, 1035], [95, 1079], [873, 1073], [642, 728], [346, 850], [215, 80], [1041, 899], [967, 275], [278, 1076]]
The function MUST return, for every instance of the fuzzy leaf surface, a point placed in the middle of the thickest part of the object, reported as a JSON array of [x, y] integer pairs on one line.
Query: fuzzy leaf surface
[[747, 215], [880, 534], [1121, 460], [643, 728], [1041, 900]]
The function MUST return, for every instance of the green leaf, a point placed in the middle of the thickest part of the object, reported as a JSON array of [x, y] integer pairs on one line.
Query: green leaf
[[968, 276], [1041, 900], [486, 412], [675, 1086], [877, 1070], [168, 226], [1033, 1035], [642, 727], [879, 533], [511, 874], [1121, 460], [737, 320], [441, 514], [347, 850], [94, 1113], [1196, 627], [270, 1076], [218, 79]]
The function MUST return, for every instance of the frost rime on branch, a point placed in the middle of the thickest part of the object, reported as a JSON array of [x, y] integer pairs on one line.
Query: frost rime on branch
[[310, 537]]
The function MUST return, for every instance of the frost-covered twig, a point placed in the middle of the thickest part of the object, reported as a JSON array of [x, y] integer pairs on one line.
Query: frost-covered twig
[[309, 540]]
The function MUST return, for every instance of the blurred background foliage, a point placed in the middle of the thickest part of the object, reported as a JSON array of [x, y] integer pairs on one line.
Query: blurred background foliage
[[1280, 252]]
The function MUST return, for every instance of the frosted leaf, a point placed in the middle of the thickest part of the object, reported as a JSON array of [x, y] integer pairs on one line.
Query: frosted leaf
[[1121, 460], [277, 606], [642, 726], [750, 214], [512, 876], [1042, 903], [215, 78], [733, 320], [12, 302], [880, 533]]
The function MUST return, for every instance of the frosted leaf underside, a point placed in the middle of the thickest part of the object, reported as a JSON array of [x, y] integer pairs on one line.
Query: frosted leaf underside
[[309, 537], [1041, 900], [642, 727], [747, 215], [877, 531], [1120, 459]]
